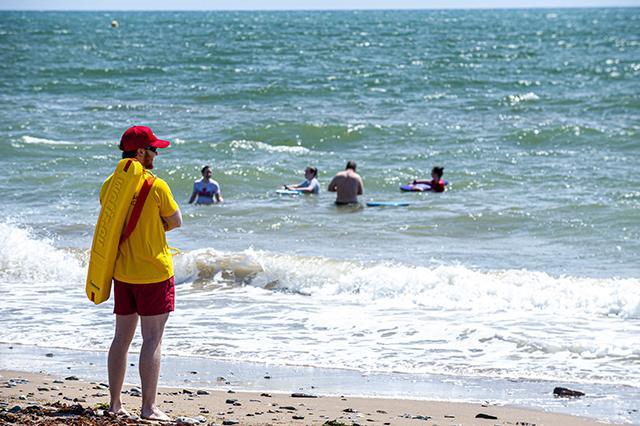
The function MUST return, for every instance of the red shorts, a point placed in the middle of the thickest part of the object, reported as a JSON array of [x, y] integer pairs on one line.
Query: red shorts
[[143, 299]]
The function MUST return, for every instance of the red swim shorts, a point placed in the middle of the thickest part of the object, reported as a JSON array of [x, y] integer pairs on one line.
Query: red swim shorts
[[144, 299]]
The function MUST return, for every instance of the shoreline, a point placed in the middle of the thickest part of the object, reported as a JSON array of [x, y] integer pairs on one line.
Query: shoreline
[[395, 391], [257, 408]]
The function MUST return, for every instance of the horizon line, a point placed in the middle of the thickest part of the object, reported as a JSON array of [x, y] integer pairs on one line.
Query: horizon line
[[531, 7]]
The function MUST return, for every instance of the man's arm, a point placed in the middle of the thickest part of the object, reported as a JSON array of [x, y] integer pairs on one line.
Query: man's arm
[[169, 209], [194, 194], [360, 186], [193, 197], [103, 189], [333, 185], [172, 222]]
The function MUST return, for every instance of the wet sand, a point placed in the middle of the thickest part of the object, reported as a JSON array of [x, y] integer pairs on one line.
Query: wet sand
[[41, 392]]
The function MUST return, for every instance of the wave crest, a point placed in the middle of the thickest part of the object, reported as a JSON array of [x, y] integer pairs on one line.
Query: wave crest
[[261, 146], [25, 257], [514, 100], [435, 288], [42, 141]]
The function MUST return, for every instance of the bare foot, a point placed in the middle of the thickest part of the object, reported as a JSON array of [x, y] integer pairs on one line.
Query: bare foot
[[119, 412], [155, 414]]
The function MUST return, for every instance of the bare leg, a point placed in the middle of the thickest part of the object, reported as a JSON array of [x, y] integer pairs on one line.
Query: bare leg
[[117, 363], [152, 330]]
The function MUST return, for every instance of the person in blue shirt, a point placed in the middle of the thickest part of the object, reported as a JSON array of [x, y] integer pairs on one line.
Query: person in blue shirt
[[205, 189], [310, 185]]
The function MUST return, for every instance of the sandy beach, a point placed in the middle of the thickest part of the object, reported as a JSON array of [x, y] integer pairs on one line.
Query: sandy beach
[[26, 398]]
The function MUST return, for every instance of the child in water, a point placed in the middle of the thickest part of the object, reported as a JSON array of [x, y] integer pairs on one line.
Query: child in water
[[205, 189], [436, 183], [310, 184]]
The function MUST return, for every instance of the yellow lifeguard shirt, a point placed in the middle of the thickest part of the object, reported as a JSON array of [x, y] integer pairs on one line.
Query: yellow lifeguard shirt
[[144, 258]]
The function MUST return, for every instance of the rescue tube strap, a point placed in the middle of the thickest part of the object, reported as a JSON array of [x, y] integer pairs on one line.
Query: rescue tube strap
[[137, 208]]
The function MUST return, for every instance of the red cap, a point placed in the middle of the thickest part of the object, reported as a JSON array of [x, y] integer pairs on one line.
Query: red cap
[[140, 137]]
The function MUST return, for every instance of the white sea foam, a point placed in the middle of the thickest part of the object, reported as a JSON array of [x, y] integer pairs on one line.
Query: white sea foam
[[265, 307], [24, 257], [441, 287], [391, 317], [42, 141], [261, 146], [527, 97]]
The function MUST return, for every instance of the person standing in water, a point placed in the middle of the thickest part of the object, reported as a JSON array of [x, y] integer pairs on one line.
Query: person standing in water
[[347, 185], [143, 278], [206, 189], [310, 185]]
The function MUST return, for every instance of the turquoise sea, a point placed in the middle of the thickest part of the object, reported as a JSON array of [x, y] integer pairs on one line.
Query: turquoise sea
[[526, 268]]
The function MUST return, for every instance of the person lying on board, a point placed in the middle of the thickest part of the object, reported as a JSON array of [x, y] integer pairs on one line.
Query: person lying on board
[[205, 189], [436, 183], [310, 185]]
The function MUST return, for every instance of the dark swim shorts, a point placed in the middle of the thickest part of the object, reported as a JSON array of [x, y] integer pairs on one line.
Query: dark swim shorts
[[144, 299]]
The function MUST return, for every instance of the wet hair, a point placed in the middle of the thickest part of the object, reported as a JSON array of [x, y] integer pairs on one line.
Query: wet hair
[[351, 165], [312, 170], [204, 169], [438, 170], [129, 154]]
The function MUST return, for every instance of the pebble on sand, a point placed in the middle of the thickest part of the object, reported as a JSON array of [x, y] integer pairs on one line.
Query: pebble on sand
[[566, 393], [486, 416]]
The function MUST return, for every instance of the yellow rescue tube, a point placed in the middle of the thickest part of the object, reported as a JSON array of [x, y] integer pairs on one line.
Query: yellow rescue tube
[[126, 180]]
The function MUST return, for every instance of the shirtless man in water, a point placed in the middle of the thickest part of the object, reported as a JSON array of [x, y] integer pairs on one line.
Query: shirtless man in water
[[348, 185]]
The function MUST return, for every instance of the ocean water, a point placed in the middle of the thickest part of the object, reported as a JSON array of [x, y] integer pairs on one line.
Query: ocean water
[[527, 267]]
